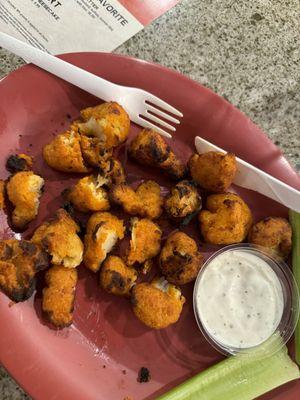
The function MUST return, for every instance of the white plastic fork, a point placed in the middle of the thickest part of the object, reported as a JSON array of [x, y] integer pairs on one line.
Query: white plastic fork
[[139, 103]]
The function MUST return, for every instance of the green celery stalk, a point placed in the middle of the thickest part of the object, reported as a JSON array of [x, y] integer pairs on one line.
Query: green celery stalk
[[295, 222], [240, 377]]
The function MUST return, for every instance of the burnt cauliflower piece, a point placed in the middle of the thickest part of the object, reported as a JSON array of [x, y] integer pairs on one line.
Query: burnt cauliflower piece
[[116, 277], [157, 304], [183, 201], [93, 151], [180, 260], [18, 162], [149, 148], [59, 238], [20, 261], [112, 171]]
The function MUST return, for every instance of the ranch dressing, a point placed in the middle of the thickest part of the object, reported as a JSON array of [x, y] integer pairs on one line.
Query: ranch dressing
[[239, 299]]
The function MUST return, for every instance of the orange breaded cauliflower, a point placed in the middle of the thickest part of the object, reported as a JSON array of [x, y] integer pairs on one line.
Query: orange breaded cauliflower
[[88, 194], [180, 260], [102, 233], [274, 233], [93, 151], [227, 219], [19, 162], [108, 121], [145, 201], [113, 171], [59, 295], [214, 171], [145, 241], [63, 153], [24, 190], [149, 148], [20, 260], [2, 194], [116, 277], [59, 238], [157, 304], [183, 201]]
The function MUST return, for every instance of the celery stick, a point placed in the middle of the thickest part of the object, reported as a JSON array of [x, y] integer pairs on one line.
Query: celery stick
[[240, 377], [295, 222]]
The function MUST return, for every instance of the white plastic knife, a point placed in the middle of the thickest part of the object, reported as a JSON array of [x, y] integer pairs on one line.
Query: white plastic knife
[[253, 178]]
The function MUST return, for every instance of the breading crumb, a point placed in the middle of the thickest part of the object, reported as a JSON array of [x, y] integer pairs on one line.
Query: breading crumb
[[144, 375]]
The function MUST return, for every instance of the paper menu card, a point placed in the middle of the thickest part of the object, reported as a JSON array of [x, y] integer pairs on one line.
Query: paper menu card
[[62, 26]]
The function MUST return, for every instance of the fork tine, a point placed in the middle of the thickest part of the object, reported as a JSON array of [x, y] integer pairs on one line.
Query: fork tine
[[147, 124], [156, 101], [162, 114], [159, 121]]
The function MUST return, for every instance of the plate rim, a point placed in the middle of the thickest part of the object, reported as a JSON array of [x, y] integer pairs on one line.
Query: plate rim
[[12, 372]]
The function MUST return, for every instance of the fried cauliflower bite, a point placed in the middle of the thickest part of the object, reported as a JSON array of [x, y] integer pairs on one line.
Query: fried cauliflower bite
[[157, 304], [58, 237], [145, 201], [20, 260], [113, 171], [102, 233], [149, 148], [180, 260], [88, 194], [145, 241], [116, 277], [183, 201], [24, 190], [227, 219], [274, 233], [2, 194], [19, 162], [108, 121], [214, 171], [64, 153], [59, 295], [93, 151]]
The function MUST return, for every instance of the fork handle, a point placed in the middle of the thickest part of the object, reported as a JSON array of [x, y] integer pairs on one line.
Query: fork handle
[[91, 83]]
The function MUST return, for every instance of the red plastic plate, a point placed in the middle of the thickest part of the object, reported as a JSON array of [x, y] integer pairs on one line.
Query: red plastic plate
[[99, 356]]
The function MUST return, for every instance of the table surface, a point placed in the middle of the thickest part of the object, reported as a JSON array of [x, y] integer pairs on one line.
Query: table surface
[[245, 51]]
